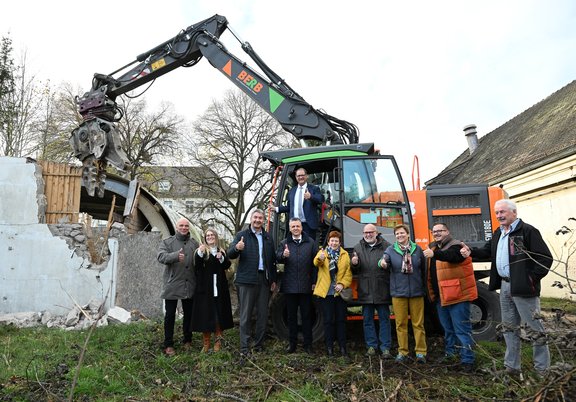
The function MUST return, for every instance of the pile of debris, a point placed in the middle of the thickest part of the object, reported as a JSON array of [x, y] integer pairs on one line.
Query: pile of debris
[[78, 318]]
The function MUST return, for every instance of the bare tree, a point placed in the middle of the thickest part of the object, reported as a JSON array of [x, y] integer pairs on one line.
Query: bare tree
[[226, 144], [58, 117], [20, 103], [148, 137]]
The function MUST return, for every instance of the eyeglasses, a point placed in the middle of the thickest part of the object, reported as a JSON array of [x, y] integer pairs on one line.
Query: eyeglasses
[[372, 232], [438, 231]]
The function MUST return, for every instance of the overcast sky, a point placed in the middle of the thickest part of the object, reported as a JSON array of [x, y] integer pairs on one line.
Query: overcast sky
[[409, 74]]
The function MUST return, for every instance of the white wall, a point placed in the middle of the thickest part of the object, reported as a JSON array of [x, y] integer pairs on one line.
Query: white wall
[[546, 198], [38, 272]]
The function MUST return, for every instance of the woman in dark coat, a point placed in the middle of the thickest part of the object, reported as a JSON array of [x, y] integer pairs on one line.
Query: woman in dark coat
[[212, 310]]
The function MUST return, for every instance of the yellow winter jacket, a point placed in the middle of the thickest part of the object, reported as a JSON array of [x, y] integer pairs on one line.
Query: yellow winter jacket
[[344, 275]]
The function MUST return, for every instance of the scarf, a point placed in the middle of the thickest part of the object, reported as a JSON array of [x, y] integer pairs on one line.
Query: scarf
[[333, 255], [406, 252]]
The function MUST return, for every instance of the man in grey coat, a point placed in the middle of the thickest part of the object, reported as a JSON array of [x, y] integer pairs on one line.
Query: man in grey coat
[[177, 255]]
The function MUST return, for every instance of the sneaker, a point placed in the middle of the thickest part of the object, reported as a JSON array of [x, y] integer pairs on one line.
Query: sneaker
[[420, 358], [400, 358], [386, 354], [371, 351], [169, 351]]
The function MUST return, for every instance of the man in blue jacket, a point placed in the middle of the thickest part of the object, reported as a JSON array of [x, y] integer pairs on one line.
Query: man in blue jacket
[[255, 278], [520, 259], [303, 202]]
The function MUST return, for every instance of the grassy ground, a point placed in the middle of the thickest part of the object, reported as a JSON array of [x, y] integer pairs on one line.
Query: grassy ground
[[125, 363]]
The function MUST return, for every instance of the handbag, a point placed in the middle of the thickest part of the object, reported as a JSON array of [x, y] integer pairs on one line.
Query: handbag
[[346, 294]]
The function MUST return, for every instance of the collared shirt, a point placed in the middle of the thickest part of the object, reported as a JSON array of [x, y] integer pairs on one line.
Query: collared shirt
[[503, 251], [297, 240], [260, 248]]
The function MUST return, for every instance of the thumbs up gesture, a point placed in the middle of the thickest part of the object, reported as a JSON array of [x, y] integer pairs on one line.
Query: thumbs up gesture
[[322, 255], [240, 244], [355, 259], [181, 255], [286, 251], [307, 194]]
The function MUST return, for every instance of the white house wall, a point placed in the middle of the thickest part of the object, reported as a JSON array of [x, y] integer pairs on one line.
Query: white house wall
[[546, 198]]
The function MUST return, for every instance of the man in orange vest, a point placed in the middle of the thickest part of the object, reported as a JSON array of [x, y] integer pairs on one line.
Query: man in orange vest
[[452, 286]]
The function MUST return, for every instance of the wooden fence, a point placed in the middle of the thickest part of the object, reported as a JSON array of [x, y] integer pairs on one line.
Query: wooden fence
[[62, 190]]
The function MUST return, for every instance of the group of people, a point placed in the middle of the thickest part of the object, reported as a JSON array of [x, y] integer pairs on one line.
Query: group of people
[[400, 275]]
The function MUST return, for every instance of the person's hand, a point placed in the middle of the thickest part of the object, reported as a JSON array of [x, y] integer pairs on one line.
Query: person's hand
[[428, 253], [286, 253], [202, 248], [219, 255], [240, 245], [338, 287], [272, 209], [354, 259], [383, 263], [273, 287], [181, 255], [465, 250], [307, 194], [322, 255]]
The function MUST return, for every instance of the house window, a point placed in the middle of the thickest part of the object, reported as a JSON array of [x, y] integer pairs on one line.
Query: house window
[[189, 206], [169, 203], [164, 186]]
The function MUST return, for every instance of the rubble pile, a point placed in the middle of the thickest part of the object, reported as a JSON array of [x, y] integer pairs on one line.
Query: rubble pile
[[78, 318]]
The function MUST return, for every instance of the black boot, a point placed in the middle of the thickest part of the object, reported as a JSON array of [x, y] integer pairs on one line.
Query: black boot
[[343, 351], [330, 351], [291, 348]]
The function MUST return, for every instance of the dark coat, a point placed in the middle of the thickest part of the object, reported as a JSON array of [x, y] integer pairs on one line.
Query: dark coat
[[299, 271], [247, 271], [373, 281], [179, 281], [406, 285], [207, 309], [309, 207], [528, 251]]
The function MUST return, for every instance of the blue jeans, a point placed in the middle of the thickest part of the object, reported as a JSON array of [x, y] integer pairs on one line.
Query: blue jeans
[[455, 320], [517, 310], [385, 336]]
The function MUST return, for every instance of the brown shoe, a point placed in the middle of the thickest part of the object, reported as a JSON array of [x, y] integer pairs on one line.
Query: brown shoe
[[206, 341], [169, 351]]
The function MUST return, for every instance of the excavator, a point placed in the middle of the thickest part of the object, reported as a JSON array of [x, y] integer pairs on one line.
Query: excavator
[[359, 184]]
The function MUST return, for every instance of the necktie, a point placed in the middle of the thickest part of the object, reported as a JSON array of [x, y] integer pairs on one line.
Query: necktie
[[300, 202]]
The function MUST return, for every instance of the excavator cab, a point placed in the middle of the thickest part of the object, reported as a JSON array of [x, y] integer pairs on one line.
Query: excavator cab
[[359, 187]]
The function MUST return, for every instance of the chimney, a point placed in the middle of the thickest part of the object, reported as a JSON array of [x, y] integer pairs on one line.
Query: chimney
[[471, 137]]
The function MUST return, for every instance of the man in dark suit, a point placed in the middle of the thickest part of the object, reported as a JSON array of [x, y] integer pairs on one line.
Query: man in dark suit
[[303, 202]]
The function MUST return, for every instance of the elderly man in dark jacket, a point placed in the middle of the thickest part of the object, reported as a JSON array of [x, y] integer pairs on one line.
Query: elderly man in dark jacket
[[297, 253], [373, 290], [255, 278], [177, 255], [520, 259]]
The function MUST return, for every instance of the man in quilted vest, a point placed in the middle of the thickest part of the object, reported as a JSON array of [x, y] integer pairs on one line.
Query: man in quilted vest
[[452, 286]]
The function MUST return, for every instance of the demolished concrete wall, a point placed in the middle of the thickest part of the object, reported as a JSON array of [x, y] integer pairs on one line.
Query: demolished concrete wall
[[38, 271]]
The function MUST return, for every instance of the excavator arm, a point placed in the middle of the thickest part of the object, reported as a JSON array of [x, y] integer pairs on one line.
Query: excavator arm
[[96, 142]]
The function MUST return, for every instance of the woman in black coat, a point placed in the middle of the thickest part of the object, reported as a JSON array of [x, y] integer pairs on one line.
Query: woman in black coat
[[212, 310]]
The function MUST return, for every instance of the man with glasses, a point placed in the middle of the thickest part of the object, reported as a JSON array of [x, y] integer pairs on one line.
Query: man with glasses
[[373, 290], [452, 285], [303, 202]]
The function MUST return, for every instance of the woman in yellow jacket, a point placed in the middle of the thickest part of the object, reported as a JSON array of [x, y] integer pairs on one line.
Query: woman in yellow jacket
[[334, 274]]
